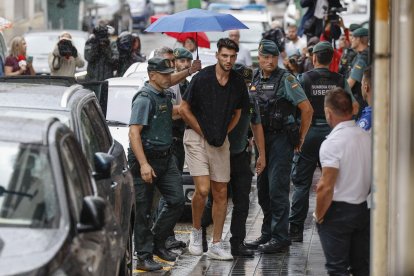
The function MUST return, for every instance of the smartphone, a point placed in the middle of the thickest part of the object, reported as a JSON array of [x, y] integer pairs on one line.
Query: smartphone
[[29, 59]]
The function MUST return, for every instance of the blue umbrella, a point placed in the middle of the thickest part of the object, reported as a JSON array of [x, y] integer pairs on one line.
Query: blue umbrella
[[196, 20]]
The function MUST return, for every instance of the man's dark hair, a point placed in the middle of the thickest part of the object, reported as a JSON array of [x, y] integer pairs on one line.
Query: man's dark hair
[[324, 57], [227, 43], [339, 101], [367, 74]]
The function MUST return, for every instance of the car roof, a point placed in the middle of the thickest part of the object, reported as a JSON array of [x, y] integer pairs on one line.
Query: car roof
[[25, 130], [38, 96]]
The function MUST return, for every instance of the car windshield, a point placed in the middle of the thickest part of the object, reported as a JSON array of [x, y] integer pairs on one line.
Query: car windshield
[[106, 2], [28, 196], [119, 104], [44, 44]]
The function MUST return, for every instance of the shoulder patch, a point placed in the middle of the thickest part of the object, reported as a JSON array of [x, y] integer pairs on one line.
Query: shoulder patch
[[143, 93], [252, 88], [290, 78]]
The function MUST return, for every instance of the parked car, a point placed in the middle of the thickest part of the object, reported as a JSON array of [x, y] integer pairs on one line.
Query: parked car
[[141, 11], [116, 12], [51, 220], [120, 94], [78, 107], [41, 43]]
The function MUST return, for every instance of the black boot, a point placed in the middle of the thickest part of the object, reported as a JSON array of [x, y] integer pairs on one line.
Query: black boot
[[148, 264], [295, 233], [274, 246], [241, 250], [172, 243], [254, 244], [165, 254]]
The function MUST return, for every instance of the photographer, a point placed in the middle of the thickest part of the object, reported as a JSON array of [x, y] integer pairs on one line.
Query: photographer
[[65, 58], [102, 54]]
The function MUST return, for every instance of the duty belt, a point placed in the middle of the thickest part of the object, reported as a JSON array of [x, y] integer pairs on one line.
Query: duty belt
[[158, 154]]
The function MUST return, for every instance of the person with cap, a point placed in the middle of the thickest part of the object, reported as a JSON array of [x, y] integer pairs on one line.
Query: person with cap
[[307, 63], [101, 54], [182, 60], [240, 171], [65, 58], [151, 162], [359, 42], [211, 107], [348, 54], [342, 216], [279, 95], [315, 83]]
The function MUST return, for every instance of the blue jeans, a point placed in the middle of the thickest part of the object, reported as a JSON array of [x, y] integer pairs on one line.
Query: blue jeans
[[273, 187], [304, 165], [344, 236]]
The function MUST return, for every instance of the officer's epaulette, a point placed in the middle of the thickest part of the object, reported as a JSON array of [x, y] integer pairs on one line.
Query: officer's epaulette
[[143, 93], [290, 78]]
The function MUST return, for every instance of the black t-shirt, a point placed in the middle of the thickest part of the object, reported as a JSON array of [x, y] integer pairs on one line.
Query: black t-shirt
[[213, 105]]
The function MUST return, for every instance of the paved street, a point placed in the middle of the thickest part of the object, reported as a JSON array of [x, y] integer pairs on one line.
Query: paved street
[[302, 259]]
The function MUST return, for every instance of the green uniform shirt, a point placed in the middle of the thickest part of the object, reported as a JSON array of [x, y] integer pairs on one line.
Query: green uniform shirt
[[359, 64], [238, 137], [153, 110]]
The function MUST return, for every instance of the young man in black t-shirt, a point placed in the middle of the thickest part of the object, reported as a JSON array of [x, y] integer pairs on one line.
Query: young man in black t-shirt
[[211, 107]]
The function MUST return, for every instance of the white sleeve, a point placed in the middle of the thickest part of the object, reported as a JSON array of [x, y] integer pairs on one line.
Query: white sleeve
[[330, 154]]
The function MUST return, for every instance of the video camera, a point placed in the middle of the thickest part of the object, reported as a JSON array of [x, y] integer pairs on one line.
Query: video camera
[[101, 34], [332, 13], [66, 48]]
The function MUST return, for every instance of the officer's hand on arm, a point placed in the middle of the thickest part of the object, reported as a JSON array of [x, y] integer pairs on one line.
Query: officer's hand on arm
[[306, 112], [147, 173], [195, 66]]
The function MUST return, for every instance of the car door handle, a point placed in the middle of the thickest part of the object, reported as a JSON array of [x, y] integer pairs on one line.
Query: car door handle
[[125, 170], [114, 184]]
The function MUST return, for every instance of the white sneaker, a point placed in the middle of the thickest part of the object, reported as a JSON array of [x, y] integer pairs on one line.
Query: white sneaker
[[195, 247], [216, 251]]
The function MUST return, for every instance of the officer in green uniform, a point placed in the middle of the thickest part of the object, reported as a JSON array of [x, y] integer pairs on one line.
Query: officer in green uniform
[[348, 55], [359, 42], [315, 83], [151, 162], [279, 95]]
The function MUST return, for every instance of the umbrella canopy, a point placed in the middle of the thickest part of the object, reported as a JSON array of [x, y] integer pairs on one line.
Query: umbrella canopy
[[200, 37], [196, 20]]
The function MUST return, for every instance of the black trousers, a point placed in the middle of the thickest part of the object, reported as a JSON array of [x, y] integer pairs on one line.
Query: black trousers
[[240, 185], [345, 238]]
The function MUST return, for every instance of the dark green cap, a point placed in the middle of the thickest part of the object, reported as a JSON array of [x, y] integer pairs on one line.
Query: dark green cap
[[160, 65], [322, 46], [245, 72], [360, 32], [182, 52], [268, 47], [354, 26]]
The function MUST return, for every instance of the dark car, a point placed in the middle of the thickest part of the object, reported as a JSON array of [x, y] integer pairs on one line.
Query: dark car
[[141, 11], [78, 107], [116, 12], [51, 220]]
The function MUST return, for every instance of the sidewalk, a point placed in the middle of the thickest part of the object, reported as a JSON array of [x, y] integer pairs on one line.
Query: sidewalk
[[304, 258]]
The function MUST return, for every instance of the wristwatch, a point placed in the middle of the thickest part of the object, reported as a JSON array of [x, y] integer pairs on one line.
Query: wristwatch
[[316, 219]]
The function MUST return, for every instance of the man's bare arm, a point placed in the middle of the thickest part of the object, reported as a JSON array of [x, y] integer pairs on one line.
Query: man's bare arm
[[306, 112], [325, 190], [147, 173], [351, 82], [234, 120], [188, 117], [258, 135], [180, 76]]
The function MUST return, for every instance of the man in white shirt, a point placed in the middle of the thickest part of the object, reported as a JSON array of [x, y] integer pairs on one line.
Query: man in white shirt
[[294, 43], [243, 56], [341, 213]]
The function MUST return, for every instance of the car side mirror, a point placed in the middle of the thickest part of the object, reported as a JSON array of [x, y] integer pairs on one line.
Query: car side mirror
[[103, 163], [92, 216]]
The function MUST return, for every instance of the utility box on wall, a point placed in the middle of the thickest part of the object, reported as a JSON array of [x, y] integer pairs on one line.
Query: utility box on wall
[[63, 14]]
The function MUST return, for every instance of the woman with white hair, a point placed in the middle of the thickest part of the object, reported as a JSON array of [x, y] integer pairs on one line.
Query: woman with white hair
[[65, 57], [17, 63]]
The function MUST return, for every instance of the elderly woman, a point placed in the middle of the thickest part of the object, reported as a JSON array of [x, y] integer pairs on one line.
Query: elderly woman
[[16, 63]]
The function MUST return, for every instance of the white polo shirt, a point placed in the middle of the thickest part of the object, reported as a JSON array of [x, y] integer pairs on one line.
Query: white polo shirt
[[348, 148]]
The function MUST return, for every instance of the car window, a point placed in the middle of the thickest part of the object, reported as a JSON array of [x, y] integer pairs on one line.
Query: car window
[[28, 197], [99, 126], [76, 174]]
